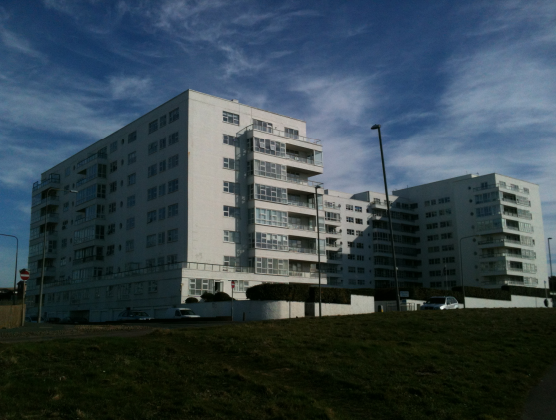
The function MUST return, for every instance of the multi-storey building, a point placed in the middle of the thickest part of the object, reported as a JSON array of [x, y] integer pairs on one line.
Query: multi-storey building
[[202, 191]]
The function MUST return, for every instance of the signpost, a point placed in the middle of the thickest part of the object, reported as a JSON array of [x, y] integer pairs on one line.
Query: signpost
[[24, 274], [232, 301]]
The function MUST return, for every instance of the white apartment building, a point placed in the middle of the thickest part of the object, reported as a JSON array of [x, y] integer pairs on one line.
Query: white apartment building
[[203, 190]]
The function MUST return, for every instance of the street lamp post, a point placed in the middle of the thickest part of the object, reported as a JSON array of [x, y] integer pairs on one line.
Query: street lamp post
[[318, 247], [550, 260], [461, 268], [15, 271], [377, 127], [44, 247]]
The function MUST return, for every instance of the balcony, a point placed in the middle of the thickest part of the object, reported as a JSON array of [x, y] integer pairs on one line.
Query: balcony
[[48, 218], [298, 180], [78, 261], [507, 254], [52, 179], [306, 274], [333, 232], [512, 281], [99, 155], [502, 241], [307, 160], [300, 250], [87, 219], [302, 227], [52, 199], [301, 204], [279, 133], [502, 186]]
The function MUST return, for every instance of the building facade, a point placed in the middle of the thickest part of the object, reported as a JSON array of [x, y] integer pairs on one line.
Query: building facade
[[203, 191]]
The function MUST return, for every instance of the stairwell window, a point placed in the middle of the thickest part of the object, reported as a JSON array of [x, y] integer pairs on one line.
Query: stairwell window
[[230, 118]]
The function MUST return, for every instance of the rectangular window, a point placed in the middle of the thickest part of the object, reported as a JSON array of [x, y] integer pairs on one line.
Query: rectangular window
[[113, 148], [162, 166], [291, 133], [230, 140], [161, 238], [359, 221], [449, 247], [267, 146], [153, 147], [229, 163], [359, 233], [151, 240], [151, 193], [173, 138], [131, 158], [153, 286], [151, 216], [152, 170], [270, 266], [349, 219], [131, 179], [360, 245], [351, 257], [161, 190], [162, 143], [270, 241], [131, 201], [350, 232], [111, 228], [231, 261], [262, 126], [131, 137], [230, 118], [130, 223], [173, 210], [231, 187], [110, 250], [162, 121], [173, 161], [360, 258], [174, 115], [172, 235], [129, 245], [113, 166], [273, 194], [231, 236], [173, 186], [349, 207], [359, 209], [162, 213], [113, 186], [268, 217], [231, 212], [153, 126]]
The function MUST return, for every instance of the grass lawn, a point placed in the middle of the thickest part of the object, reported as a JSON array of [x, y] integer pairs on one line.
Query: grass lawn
[[465, 364]]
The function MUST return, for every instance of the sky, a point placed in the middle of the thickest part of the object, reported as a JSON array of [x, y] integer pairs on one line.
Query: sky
[[458, 87]]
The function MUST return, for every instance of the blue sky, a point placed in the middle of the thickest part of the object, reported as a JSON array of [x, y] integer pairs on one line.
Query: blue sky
[[459, 87]]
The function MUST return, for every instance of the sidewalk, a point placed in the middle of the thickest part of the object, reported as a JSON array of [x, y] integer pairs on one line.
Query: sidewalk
[[541, 402]]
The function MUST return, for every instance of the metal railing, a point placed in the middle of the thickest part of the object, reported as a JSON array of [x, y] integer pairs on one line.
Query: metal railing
[[508, 254], [279, 133], [301, 204], [53, 199], [302, 227], [303, 250], [98, 155], [53, 179], [87, 219], [308, 160], [503, 186]]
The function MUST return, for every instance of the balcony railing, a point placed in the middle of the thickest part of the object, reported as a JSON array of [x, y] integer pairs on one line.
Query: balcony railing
[[305, 182], [527, 281], [87, 219], [279, 133], [91, 158], [302, 227], [52, 179], [301, 204], [508, 254], [53, 199], [308, 160], [303, 250], [503, 186]]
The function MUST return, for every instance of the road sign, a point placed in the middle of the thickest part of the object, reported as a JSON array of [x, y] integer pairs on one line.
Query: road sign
[[404, 294], [233, 284], [24, 274]]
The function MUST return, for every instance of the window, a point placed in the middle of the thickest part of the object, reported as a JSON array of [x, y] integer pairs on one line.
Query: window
[[172, 186], [433, 261], [151, 216], [162, 121], [66, 207], [174, 115], [111, 228], [431, 214], [173, 210], [131, 158], [231, 140], [351, 256], [349, 207], [231, 261], [151, 240], [130, 223], [162, 166], [152, 170], [231, 236], [434, 249], [173, 235], [231, 187], [350, 244], [129, 245], [360, 245], [432, 238], [351, 269], [447, 223], [359, 221], [110, 250], [153, 126], [230, 118], [449, 259], [162, 213], [161, 190], [162, 143], [359, 209], [359, 233], [113, 148], [131, 137], [229, 163], [350, 232], [268, 217], [269, 193], [262, 126], [349, 219], [113, 166], [446, 235], [153, 286], [151, 193], [231, 212], [173, 161], [291, 133], [449, 247], [131, 201], [131, 179], [64, 243], [161, 238], [360, 258], [153, 147], [113, 186], [432, 226], [173, 138]]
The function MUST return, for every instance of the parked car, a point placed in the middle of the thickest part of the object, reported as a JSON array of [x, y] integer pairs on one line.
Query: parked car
[[180, 313], [440, 303], [74, 320], [129, 315]]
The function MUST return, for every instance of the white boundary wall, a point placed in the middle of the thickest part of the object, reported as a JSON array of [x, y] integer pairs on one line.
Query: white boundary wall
[[516, 302]]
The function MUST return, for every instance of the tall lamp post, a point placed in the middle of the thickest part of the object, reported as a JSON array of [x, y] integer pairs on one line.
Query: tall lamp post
[[44, 247], [15, 271], [318, 247], [377, 127], [550, 260]]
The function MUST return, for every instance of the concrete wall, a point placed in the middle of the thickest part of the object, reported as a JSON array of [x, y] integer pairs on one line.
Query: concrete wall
[[516, 302], [11, 316]]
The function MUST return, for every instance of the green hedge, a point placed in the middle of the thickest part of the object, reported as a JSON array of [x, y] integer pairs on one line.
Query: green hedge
[[525, 291], [480, 293], [304, 293]]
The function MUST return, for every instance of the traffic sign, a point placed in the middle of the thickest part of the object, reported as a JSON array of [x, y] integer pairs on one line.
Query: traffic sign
[[233, 284], [24, 274]]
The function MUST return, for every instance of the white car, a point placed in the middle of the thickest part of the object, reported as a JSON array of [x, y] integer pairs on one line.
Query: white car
[[180, 313], [129, 315], [440, 303]]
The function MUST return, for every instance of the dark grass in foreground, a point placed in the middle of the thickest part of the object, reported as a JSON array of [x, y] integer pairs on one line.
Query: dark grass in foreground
[[466, 364]]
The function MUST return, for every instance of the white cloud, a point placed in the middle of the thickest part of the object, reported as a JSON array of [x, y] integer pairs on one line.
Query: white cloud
[[125, 87], [19, 44]]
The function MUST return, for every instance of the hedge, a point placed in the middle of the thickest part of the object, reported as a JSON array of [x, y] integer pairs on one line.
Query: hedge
[[304, 293], [525, 291]]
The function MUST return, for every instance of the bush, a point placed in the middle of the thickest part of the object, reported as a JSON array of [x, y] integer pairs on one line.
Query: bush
[[221, 297], [478, 292], [525, 291], [191, 300], [207, 297], [304, 293]]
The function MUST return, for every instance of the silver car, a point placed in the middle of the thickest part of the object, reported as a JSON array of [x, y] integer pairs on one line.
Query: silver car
[[440, 303]]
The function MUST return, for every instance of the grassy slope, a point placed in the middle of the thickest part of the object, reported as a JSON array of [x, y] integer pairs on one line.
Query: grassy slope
[[475, 364]]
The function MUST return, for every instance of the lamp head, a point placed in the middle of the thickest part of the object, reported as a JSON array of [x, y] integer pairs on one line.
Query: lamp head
[[549, 239], [376, 126], [74, 191]]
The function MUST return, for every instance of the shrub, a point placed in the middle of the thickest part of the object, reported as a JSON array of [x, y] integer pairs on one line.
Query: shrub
[[221, 297], [304, 293], [191, 300], [525, 291], [207, 297], [478, 292]]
